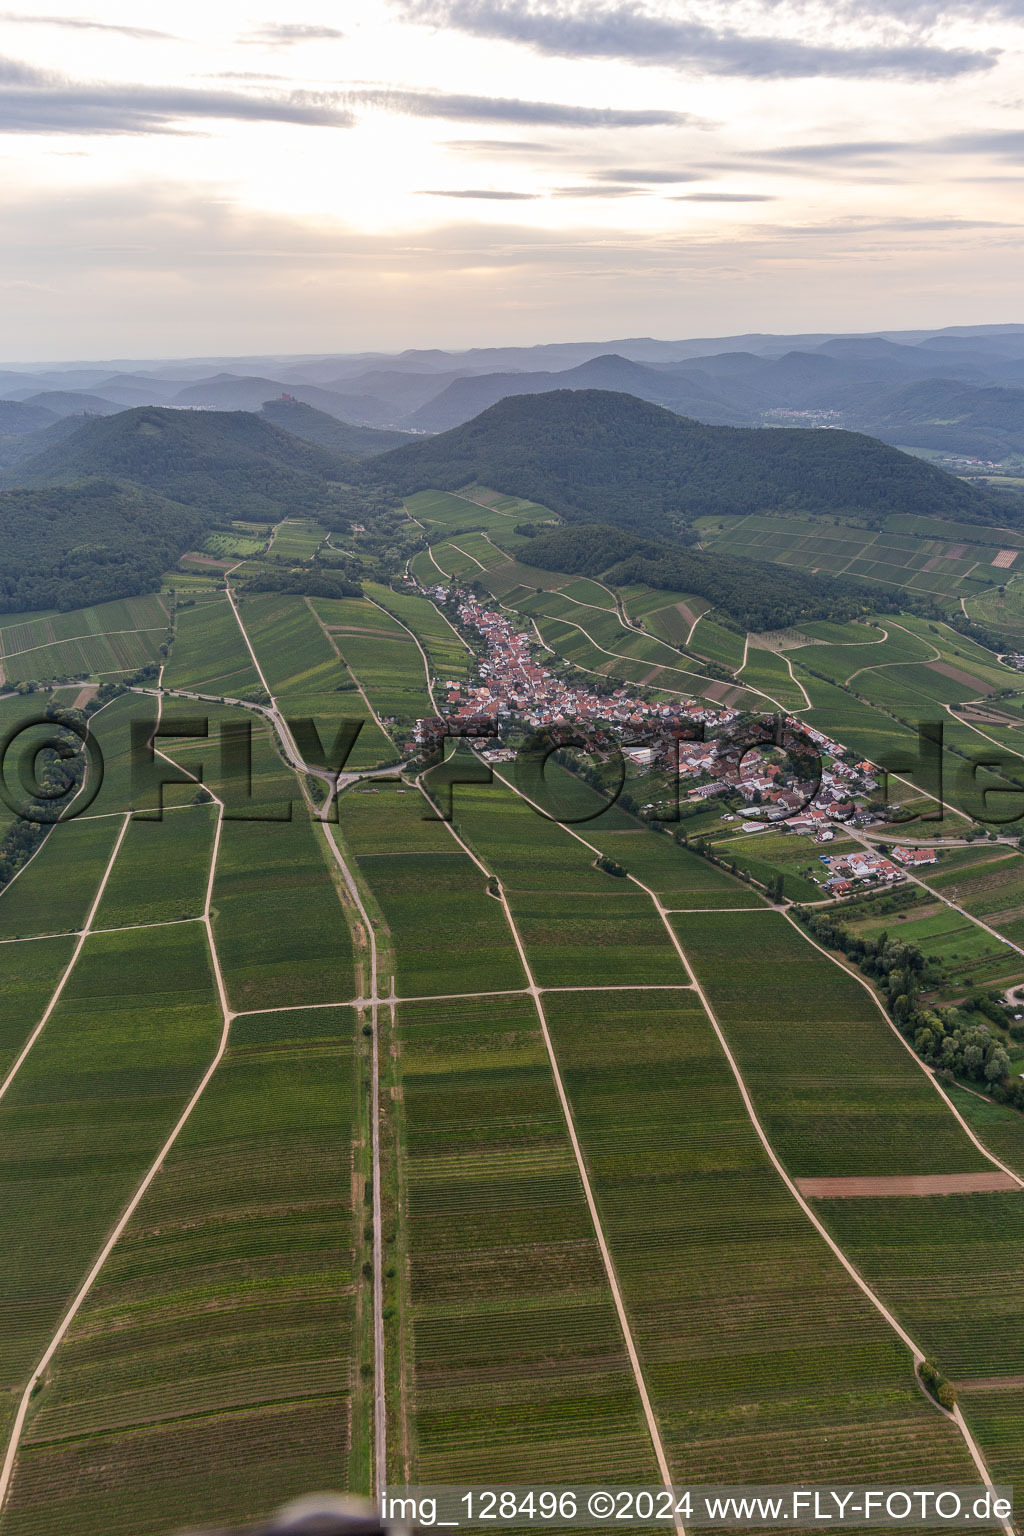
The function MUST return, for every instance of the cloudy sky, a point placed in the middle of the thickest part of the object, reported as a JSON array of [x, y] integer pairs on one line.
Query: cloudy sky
[[200, 179]]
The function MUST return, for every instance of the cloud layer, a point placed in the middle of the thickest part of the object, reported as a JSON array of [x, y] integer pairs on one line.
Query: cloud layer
[[36, 101], [500, 109], [630, 33]]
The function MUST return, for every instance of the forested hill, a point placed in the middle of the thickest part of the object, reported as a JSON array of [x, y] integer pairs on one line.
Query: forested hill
[[757, 595], [228, 463], [315, 426], [72, 545], [593, 455]]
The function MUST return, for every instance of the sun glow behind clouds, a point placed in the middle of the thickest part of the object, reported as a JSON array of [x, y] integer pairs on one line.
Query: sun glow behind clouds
[[403, 173]]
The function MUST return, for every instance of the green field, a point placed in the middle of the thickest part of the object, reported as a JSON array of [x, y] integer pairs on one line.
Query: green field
[[941, 559], [509, 1306], [219, 1343], [106, 641], [209, 652], [279, 925], [449, 934], [306, 674], [837, 1091], [761, 1354], [87, 1114]]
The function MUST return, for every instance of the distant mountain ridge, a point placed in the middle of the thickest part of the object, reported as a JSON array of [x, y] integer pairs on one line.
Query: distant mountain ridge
[[467, 397], [596, 456], [752, 379]]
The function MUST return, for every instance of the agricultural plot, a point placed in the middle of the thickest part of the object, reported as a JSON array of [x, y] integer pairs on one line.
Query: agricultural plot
[[512, 508], [510, 1308], [450, 558], [670, 615], [213, 1366], [835, 1088], [1000, 1129], [875, 646], [297, 539], [105, 641], [265, 792], [391, 671], [353, 614], [854, 722], [943, 561], [993, 890], [278, 921], [449, 934], [591, 594], [161, 871], [127, 783], [710, 640], [53, 892], [768, 672], [1000, 608], [209, 654], [29, 972], [946, 1264], [526, 851], [763, 1360], [766, 854], [613, 939], [442, 510], [306, 675], [569, 638], [964, 955], [680, 878], [90, 1108], [243, 539], [450, 657]]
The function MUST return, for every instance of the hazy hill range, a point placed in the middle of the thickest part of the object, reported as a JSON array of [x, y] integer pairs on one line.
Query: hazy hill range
[[71, 402], [228, 392], [601, 457], [16, 417], [870, 385], [68, 546], [315, 426], [228, 463], [985, 423], [467, 397], [747, 380]]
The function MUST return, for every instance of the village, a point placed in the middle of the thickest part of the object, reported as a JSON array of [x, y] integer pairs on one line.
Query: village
[[513, 688]]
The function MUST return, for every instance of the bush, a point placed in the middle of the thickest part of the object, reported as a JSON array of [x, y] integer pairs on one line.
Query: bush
[[936, 1385]]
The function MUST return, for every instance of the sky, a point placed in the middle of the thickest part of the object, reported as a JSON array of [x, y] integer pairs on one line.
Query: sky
[[200, 179]]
